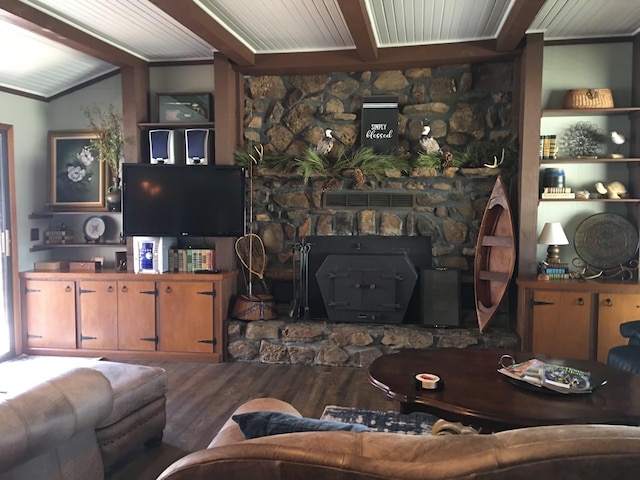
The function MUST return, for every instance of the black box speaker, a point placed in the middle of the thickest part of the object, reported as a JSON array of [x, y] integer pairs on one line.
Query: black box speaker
[[440, 297], [161, 148], [197, 146]]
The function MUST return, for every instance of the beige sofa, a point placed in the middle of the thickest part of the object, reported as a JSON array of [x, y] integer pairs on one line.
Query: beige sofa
[[48, 431], [567, 452], [65, 419]]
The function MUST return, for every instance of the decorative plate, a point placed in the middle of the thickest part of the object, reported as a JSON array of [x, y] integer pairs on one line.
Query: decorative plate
[[584, 139], [93, 229], [606, 240]]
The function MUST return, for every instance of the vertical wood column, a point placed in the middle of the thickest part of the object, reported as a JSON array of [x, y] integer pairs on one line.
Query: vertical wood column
[[135, 107], [228, 113], [228, 109], [634, 137], [529, 134], [530, 102]]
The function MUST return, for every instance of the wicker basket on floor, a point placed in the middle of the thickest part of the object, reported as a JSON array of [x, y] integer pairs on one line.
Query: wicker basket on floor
[[589, 98]]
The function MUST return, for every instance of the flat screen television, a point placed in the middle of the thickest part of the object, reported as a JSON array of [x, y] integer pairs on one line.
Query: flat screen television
[[183, 200]]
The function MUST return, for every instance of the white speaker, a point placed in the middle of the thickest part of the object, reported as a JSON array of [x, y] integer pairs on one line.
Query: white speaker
[[197, 146], [161, 147]]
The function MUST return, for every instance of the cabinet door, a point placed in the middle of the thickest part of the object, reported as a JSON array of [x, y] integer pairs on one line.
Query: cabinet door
[[50, 313], [561, 323], [614, 309], [185, 316], [98, 314], [137, 315]]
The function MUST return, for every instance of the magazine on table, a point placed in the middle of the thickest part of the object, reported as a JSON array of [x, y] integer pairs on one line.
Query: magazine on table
[[559, 378]]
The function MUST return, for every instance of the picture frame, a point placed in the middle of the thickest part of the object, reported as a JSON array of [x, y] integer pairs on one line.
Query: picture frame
[[184, 107], [77, 178]]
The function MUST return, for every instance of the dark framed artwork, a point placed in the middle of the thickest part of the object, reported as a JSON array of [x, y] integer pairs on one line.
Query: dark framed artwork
[[184, 107], [77, 176]]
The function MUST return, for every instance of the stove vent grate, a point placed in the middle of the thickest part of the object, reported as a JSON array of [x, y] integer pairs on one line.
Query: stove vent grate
[[368, 199]]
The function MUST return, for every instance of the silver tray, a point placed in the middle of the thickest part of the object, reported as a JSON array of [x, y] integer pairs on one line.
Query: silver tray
[[606, 240]]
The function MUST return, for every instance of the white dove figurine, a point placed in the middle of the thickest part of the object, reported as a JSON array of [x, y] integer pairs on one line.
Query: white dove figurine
[[325, 145], [617, 139]]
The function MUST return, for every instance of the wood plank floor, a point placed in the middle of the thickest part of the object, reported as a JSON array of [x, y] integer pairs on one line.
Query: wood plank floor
[[202, 396]]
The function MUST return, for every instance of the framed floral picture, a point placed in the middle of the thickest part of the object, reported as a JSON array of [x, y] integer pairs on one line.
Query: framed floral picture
[[77, 176]]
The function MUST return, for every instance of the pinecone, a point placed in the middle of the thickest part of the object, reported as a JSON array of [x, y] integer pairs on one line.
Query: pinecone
[[331, 184], [447, 159], [358, 176]]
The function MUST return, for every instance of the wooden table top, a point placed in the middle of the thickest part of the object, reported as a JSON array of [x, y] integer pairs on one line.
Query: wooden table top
[[476, 394]]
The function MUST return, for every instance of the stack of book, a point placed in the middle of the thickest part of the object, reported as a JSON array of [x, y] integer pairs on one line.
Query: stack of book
[[556, 271], [58, 237], [190, 260], [557, 192]]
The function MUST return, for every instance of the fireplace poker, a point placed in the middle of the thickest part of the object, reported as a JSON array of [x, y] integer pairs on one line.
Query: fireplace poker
[[304, 281], [295, 299]]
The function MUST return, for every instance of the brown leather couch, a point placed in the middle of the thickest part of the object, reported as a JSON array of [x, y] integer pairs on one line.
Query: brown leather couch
[[568, 452], [64, 418]]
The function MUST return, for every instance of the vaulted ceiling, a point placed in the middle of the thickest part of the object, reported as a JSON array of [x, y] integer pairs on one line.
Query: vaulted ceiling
[[49, 47]]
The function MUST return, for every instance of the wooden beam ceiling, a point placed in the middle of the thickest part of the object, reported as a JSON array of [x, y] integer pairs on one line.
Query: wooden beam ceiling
[[357, 19], [513, 30], [393, 58], [208, 29], [33, 20]]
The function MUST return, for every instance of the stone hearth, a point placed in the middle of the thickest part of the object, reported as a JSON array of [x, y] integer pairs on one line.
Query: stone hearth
[[353, 345]]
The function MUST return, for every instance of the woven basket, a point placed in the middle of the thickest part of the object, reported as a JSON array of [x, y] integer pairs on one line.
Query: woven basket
[[255, 307], [589, 98]]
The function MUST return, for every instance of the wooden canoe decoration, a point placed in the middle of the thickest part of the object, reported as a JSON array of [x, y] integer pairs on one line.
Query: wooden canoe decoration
[[495, 255]]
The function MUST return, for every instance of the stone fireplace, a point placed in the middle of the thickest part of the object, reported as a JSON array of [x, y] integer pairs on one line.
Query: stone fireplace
[[442, 206]]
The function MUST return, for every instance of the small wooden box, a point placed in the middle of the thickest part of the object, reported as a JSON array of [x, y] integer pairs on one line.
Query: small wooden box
[[84, 266], [51, 266]]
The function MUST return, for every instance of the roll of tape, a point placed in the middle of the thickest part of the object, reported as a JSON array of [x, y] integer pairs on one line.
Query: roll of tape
[[427, 381]]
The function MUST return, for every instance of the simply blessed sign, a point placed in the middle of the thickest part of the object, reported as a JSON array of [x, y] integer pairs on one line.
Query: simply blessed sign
[[380, 123]]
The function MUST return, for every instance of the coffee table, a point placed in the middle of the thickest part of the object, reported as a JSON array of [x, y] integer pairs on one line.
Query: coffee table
[[475, 394]]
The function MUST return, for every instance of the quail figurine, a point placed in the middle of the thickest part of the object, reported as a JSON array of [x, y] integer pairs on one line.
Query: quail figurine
[[325, 145]]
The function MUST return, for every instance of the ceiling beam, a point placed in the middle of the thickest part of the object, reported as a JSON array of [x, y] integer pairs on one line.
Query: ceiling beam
[[357, 19], [208, 29], [520, 17], [392, 58], [35, 21]]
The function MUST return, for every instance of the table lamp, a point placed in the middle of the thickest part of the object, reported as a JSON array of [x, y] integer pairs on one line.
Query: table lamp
[[553, 235]]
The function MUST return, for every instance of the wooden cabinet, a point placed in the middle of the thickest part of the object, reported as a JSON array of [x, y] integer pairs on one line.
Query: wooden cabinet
[[48, 313], [186, 317], [98, 314], [137, 315], [614, 309], [612, 299], [118, 315], [575, 319], [171, 315], [561, 323]]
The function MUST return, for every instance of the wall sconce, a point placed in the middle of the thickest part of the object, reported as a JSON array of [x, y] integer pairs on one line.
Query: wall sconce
[[553, 235]]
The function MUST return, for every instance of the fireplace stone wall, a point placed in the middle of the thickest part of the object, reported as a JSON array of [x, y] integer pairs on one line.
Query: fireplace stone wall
[[286, 115]]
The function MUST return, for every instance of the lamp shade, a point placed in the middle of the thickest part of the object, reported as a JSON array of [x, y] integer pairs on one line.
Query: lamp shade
[[553, 234]]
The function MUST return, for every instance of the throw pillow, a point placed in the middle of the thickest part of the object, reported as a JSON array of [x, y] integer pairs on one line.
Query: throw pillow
[[264, 423]]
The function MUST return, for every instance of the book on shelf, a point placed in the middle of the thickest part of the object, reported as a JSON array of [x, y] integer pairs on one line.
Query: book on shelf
[[189, 260], [557, 193], [559, 378]]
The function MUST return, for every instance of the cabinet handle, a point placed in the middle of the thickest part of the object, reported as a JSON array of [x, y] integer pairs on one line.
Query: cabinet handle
[[110, 288], [124, 289], [67, 289], [580, 301], [608, 302], [168, 289]]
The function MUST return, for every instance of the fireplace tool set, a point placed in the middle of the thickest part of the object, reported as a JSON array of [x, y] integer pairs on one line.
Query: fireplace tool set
[[300, 301]]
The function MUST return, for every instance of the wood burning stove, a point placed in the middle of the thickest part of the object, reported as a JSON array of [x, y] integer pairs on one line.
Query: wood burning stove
[[366, 279], [366, 288]]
